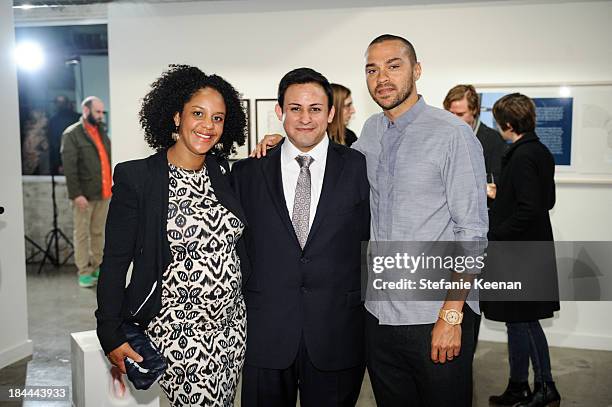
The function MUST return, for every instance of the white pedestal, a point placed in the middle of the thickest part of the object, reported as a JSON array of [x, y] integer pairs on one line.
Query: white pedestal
[[91, 379]]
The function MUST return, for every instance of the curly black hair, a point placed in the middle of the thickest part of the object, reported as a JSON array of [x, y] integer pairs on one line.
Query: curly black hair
[[172, 90]]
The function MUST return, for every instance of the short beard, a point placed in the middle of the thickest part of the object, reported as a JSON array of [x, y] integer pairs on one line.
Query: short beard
[[92, 120], [398, 100]]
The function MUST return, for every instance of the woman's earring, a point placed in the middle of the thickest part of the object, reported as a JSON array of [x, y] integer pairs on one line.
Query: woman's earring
[[175, 135]]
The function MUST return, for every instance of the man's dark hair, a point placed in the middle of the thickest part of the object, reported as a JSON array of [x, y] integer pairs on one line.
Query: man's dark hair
[[62, 103], [390, 37], [301, 76], [515, 110]]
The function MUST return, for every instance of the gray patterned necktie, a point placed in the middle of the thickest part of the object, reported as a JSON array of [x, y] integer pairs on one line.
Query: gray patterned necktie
[[301, 203]]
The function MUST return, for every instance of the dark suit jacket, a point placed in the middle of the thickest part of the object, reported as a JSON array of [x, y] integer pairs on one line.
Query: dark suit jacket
[[493, 149], [136, 231], [314, 293], [349, 137], [525, 194]]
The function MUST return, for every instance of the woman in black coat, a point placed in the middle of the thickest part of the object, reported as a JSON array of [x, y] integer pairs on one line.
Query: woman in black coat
[[525, 194]]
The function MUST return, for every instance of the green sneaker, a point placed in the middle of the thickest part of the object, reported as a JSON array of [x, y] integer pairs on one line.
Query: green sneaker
[[86, 281], [96, 274]]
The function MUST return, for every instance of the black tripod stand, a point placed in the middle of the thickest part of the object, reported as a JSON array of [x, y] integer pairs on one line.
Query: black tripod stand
[[54, 236]]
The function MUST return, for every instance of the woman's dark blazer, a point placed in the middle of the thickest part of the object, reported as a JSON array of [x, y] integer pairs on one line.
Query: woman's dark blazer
[[349, 137], [136, 232], [525, 194]]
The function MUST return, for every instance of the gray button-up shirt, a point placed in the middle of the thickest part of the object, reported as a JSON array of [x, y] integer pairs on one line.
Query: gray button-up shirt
[[427, 183]]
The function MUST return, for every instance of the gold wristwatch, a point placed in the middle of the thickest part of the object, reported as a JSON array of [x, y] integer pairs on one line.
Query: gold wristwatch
[[451, 316]]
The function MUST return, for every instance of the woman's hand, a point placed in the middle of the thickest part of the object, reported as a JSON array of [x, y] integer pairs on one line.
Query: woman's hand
[[118, 384], [269, 141], [117, 356]]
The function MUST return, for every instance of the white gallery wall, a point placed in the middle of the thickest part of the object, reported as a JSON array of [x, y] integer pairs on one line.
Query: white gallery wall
[[253, 45], [14, 342]]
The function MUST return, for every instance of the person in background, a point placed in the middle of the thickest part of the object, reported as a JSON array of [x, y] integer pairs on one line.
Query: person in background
[[463, 102], [86, 156], [35, 148], [175, 216], [520, 212], [63, 117], [343, 104]]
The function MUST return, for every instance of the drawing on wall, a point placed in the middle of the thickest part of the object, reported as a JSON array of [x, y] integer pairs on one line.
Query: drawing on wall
[[266, 121], [574, 121], [553, 122]]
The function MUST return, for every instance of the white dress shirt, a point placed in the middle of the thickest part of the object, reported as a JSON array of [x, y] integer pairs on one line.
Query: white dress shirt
[[290, 171]]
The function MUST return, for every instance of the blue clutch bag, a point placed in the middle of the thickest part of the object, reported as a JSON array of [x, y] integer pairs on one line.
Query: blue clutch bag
[[143, 374]]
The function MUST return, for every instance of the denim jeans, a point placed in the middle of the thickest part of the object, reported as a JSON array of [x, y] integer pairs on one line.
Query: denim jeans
[[526, 340]]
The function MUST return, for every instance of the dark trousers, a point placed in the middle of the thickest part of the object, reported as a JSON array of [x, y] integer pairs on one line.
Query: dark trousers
[[403, 374], [526, 340], [317, 388]]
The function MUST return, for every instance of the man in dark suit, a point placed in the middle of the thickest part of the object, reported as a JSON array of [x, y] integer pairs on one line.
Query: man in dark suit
[[463, 101], [307, 207]]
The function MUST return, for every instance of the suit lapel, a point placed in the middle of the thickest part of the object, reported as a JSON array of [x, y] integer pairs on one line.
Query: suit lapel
[[222, 188], [271, 169], [333, 170]]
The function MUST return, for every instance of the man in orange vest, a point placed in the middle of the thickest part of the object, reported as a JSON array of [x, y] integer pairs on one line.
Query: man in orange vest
[[86, 157]]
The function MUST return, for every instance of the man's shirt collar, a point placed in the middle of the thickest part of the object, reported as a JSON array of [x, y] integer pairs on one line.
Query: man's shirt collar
[[289, 151], [408, 116]]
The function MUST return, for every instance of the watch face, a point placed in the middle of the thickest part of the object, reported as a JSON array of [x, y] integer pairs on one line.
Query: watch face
[[452, 317]]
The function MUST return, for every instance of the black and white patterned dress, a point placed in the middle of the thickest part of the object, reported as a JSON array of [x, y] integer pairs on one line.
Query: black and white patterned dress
[[201, 328]]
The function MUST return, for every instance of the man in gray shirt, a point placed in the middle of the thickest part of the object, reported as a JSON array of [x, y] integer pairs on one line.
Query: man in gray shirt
[[427, 183]]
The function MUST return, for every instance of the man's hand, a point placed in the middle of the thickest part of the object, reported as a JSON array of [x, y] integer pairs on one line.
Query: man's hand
[[269, 141], [117, 356], [445, 341], [491, 190], [81, 202]]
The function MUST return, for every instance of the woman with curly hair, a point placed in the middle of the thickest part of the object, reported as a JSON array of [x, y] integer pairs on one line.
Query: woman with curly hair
[[174, 216]]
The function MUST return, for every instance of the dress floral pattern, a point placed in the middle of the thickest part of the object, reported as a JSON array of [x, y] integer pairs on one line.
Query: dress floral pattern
[[201, 328]]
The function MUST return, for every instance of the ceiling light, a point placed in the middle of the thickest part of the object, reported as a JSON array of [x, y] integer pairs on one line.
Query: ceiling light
[[29, 56]]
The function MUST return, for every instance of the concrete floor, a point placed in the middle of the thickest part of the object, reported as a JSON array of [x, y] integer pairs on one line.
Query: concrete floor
[[57, 306]]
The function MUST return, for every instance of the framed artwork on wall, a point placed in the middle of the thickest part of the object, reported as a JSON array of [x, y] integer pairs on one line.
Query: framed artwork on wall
[[266, 121], [573, 119]]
